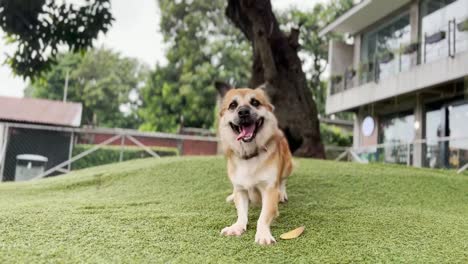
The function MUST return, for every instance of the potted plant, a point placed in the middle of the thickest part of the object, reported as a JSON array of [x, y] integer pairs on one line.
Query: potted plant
[[336, 79], [410, 48], [386, 56], [436, 37], [350, 73], [463, 26]]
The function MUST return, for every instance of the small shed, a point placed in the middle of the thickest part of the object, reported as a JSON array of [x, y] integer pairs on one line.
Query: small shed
[[24, 129]]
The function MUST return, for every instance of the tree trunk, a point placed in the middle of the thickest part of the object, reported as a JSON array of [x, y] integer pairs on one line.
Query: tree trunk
[[276, 62]]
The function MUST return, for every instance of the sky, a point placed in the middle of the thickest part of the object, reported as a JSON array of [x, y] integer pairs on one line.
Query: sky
[[135, 33]]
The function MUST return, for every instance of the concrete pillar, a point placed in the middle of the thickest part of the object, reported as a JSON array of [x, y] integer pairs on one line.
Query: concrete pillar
[[357, 57], [414, 28], [332, 72], [357, 130], [414, 20], [419, 111], [341, 56], [419, 150]]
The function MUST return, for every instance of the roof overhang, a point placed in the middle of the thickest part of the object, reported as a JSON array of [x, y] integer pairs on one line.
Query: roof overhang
[[40, 111], [362, 15]]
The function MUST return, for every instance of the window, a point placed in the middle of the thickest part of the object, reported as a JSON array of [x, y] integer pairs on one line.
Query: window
[[397, 131], [447, 120], [380, 45], [430, 6], [458, 117], [434, 130], [435, 31]]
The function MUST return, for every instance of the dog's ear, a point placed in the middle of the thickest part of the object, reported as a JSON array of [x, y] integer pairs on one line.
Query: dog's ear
[[222, 87], [267, 88]]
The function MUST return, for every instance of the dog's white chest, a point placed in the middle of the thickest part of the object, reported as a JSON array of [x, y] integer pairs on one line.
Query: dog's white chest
[[253, 173]]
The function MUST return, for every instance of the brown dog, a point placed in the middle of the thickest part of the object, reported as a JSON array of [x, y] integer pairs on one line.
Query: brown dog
[[258, 157]]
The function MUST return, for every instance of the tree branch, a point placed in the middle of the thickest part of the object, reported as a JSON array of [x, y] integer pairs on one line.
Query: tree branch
[[293, 38]]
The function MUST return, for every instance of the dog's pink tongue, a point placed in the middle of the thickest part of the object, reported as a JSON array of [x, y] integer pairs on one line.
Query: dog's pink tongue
[[246, 132]]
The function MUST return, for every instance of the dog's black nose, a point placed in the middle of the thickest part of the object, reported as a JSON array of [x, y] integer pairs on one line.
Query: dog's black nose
[[244, 112]]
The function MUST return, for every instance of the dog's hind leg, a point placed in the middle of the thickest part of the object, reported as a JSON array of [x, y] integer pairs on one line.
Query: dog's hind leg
[[230, 198], [254, 196], [283, 194]]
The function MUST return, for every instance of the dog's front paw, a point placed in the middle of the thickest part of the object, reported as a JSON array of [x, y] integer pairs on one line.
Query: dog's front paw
[[264, 237], [234, 230]]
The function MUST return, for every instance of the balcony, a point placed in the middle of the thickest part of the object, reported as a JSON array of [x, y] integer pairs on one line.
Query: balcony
[[440, 56]]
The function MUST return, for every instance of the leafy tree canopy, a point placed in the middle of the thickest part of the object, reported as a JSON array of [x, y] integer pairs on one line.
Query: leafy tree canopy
[[39, 27], [104, 82], [202, 47]]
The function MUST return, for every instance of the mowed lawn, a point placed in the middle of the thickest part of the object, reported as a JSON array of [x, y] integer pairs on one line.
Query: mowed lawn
[[172, 210]]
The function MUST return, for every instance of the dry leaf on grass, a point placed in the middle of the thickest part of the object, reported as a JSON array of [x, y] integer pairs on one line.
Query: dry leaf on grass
[[293, 233]]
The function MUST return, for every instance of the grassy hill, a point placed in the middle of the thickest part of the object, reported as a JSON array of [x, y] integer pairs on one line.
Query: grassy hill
[[172, 210]]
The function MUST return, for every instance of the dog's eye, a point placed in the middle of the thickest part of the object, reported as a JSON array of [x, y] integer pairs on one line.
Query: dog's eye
[[254, 102], [233, 105]]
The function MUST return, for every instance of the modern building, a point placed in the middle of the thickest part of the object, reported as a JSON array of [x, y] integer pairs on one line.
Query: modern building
[[403, 71]]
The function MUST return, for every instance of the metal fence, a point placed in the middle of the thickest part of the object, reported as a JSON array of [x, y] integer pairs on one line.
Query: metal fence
[[443, 152], [30, 151], [35, 151]]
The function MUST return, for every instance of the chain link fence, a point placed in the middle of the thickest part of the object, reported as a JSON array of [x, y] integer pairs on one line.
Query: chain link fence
[[30, 151], [35, 151]]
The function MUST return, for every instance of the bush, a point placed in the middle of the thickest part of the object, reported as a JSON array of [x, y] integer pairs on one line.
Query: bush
[[335, 140], [335, 136], [111, 154]]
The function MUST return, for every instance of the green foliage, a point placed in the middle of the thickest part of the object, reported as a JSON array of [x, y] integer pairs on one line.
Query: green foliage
[[463, 26], [101, 80], [202, 48], [171, 210], [40, 27], [111, 154], [335, 136], [315, 48]]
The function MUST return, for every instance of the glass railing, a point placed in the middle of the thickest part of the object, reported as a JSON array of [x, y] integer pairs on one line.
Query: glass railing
[[396, 153], [446, 153], [443, 42], [345, 81], [446, 41]]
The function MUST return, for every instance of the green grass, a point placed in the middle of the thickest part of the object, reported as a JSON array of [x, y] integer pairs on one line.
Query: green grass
[[172, 210]]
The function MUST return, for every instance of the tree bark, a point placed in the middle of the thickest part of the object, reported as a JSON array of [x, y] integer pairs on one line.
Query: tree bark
[[276, 62]]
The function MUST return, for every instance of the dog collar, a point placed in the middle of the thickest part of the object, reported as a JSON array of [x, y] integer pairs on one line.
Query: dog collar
[[255, 154]]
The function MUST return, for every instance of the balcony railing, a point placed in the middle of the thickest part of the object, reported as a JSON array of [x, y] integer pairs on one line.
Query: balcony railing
[[445, 42], [443, 152]]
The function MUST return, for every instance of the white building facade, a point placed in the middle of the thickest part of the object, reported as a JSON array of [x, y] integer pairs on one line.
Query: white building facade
[[404, 75]]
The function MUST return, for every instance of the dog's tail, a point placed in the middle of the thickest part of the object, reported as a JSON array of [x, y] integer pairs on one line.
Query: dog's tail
[[230, 198]]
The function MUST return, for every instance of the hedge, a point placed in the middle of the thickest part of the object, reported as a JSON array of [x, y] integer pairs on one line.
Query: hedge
[[335, 136], [111, 154]]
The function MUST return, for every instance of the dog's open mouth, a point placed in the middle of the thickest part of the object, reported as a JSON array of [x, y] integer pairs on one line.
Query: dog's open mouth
[[247, 132]]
